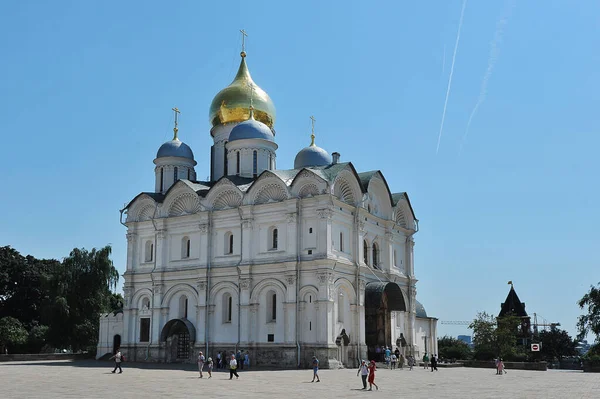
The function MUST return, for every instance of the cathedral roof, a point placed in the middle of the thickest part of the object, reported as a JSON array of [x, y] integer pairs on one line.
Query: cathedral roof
[[513, 305], [175, 148], [420, 310], [251, 129]]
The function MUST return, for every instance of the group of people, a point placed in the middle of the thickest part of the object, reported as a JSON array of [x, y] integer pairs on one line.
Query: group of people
[[235, 360], [367, 373]]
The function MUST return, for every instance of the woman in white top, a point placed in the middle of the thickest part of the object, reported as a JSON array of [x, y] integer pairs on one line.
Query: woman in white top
[[233, 368]]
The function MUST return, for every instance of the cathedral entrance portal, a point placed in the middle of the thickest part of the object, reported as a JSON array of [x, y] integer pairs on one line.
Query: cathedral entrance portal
[[178, 336], [380, 300]]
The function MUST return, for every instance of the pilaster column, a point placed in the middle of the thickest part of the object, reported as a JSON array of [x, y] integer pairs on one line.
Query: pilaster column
[[247, 226], [389, 250], [245, 328], [325, 305], [161, 249], [157, 320], [360, 307], [134, 326], [324, 232], [201, 311], [290, 308], [131, 242], [292, 230], [203, 228], [253, 333]]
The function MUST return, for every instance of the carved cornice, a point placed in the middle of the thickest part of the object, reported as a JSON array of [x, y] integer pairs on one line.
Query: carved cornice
[[160, 234], [290, 279], [325, 213], [203, 228], [130, 237], [291, 218], [325, 278], [201, 284], [158, 288], [245, 283], [247, 223]]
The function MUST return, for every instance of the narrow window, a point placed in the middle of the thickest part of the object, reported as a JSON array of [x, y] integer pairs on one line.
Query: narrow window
[[271, 161], [310, 251], [227, 302], [183, 307], [185, 247], [162, 172], [228, 247], [375, 255], [365, 252], [254, 163], [270, 337], [310, 230], [274, 307], [225, 165], [231, 244], [229, 308], [151, 252], [185, 310], [341, 242], [340, 307], [175, 174], [148, 251], [237, 161], [145, 329], [188, 174], [274, 238], [395, 261], [310, 326]]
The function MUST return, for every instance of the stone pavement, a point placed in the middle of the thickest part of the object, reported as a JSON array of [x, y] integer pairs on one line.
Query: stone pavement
[[92, 379]]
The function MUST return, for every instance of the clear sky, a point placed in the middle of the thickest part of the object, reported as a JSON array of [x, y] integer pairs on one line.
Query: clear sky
[[86, 90]]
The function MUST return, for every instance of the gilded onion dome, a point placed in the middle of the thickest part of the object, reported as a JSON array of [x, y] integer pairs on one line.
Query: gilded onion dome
[[232, 104]]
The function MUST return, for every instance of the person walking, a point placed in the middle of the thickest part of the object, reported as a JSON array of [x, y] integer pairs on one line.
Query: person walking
[[233, 368], [394, 361], [388, 357], [433, 363], [240, 360], [501, 370], [209, 364], [363, 370], [411, 362], [315, 364], [425, 361], [201, 360], [246, 360], [118, 356], [372, 368], [401, 361], [218, 360]]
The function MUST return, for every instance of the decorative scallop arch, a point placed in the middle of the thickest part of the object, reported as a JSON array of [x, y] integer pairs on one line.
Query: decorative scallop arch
[[345, 285], [145, 213], [142, 210], [400, 217], [185, 204], [270, 192], [380, 197], [308, 190], [344, 191], [227, 199]]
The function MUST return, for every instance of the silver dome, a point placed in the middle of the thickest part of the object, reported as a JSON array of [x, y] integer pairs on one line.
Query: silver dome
[[312, 156], [420, 310], [251, 129], [175, 148]]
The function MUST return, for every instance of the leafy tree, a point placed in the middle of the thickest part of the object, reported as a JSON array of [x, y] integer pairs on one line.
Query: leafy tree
[[12, 333], [452, 348], [557, 344], [590, 322], [507, 332], [484, 336]]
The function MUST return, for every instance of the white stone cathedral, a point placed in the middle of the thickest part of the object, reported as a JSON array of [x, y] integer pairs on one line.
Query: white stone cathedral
[[282, 264]]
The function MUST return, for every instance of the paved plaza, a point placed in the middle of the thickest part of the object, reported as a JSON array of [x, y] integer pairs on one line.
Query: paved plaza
[[92, 379]]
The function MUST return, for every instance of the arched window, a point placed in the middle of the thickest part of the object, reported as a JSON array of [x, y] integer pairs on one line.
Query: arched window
[[227, 308], [188, 174], [237, 162], [341, 242], [145, 304], [395, 259], [175, 174], [185, 247], [273, 237], [340, 309], [225, 164], [270, 161], [254, 163], [272, 306], [149, 252], [375, 255], [228, 243], [365, 252], [162, 172], [183, 307]]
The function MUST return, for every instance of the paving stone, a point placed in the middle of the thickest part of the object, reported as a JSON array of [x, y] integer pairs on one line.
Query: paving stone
[[93, 379]]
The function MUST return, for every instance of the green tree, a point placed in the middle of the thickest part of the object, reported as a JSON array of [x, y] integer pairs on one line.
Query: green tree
[[452, 348], [590, 322], [507, 332], [12, 333], [484, 336], [557, 344]]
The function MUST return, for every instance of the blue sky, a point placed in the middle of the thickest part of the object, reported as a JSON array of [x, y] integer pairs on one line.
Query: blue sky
[[86, 90]]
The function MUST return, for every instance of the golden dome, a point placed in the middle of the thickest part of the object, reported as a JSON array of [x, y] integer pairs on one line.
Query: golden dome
[[232, 104]]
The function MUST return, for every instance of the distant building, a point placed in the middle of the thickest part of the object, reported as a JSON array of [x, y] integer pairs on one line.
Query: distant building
[[465, 338], [513, 306]]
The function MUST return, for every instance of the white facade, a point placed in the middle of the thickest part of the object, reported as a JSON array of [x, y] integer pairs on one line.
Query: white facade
[[278, 265]]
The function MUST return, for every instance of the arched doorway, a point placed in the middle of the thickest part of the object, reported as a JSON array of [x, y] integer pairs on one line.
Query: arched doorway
[[116, 343], [179, 336], [380, 300]]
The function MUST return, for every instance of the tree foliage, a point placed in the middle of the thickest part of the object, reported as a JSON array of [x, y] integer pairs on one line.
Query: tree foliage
[[494, 338], [590, 322], [12, 333], [557, 344], [58, 303], [452, 348]]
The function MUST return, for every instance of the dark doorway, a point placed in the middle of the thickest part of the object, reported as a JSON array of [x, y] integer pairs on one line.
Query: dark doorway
[[116, 343], [380, 300], [179, 336]]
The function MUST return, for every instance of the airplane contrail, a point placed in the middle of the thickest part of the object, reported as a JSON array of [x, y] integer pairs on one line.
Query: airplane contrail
[[493, 57], [462, 13]]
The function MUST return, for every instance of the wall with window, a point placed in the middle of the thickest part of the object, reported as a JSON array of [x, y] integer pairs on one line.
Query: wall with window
[[224, 317], [270, 316], [308, 317]]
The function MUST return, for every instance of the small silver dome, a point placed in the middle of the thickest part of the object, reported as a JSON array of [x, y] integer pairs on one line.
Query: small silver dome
[[175, 148], [312, 156], [251, 129], [420, 310]]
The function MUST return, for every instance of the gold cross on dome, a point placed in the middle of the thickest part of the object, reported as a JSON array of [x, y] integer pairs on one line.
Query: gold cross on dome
[[312, 136], [175, 129], [244, 34]]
